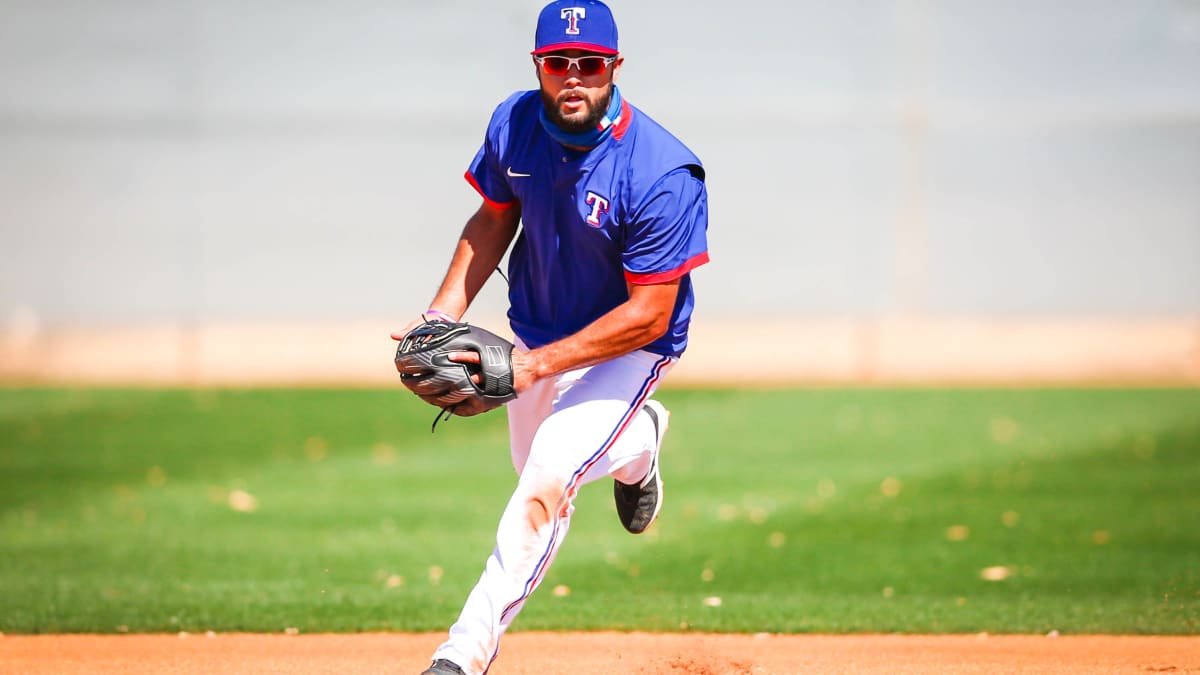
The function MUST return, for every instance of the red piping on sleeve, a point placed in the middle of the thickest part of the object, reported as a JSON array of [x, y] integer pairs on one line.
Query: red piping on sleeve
[[475, 184], [670, 275]]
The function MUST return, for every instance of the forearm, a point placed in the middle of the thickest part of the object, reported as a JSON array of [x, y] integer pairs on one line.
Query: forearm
[[480, 248], [642, 319]]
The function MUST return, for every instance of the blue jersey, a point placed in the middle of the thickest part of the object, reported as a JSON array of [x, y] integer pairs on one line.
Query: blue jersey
[[632, 210]]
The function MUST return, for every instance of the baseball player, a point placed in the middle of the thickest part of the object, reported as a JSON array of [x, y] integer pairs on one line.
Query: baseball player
[[615, 214]]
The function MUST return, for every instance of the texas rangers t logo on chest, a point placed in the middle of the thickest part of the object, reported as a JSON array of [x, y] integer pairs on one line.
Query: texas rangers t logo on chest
[[599, 206], [573, 15]]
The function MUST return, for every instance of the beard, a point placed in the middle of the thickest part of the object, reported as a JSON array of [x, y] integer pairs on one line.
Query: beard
[[577, 125]]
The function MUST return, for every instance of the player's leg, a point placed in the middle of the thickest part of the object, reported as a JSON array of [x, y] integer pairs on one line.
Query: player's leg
[[597, 413], [633, 459], [616, 385], [473, 637]]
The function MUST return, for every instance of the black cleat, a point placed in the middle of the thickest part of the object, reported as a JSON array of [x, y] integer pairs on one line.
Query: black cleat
[[638, 505], [443, 667]]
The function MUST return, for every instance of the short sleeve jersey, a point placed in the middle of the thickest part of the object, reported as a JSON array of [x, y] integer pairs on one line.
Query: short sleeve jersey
[[634, 209]]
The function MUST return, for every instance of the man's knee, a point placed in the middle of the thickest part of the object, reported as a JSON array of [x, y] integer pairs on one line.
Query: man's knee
[[542, 496]]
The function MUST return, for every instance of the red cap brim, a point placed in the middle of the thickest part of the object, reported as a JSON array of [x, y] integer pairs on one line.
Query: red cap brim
[[581, 46]]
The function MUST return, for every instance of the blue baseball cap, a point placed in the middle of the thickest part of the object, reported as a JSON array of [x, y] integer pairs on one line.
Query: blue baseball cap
[[576, 24]]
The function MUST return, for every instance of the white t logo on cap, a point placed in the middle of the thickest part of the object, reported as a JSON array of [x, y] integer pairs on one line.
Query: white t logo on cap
[[573, 15]]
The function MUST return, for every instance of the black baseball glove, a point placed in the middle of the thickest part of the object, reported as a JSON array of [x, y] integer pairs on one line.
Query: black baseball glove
[[422, 359]]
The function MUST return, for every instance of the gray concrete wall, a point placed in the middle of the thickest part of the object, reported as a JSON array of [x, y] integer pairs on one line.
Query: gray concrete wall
[[187, 163]]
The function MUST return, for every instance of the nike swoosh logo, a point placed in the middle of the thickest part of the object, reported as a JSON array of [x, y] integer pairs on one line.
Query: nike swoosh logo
[[512, 174]]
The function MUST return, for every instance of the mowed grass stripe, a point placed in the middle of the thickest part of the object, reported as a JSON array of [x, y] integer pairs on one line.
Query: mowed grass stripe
[[827, 510]]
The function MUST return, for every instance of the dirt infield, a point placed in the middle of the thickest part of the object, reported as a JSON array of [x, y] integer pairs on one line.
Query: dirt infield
[[602, 653]]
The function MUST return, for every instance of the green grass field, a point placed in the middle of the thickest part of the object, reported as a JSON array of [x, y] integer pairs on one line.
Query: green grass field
[[802, 511]]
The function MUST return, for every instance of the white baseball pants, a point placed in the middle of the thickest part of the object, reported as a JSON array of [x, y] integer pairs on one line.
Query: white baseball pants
[[565, 431]]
